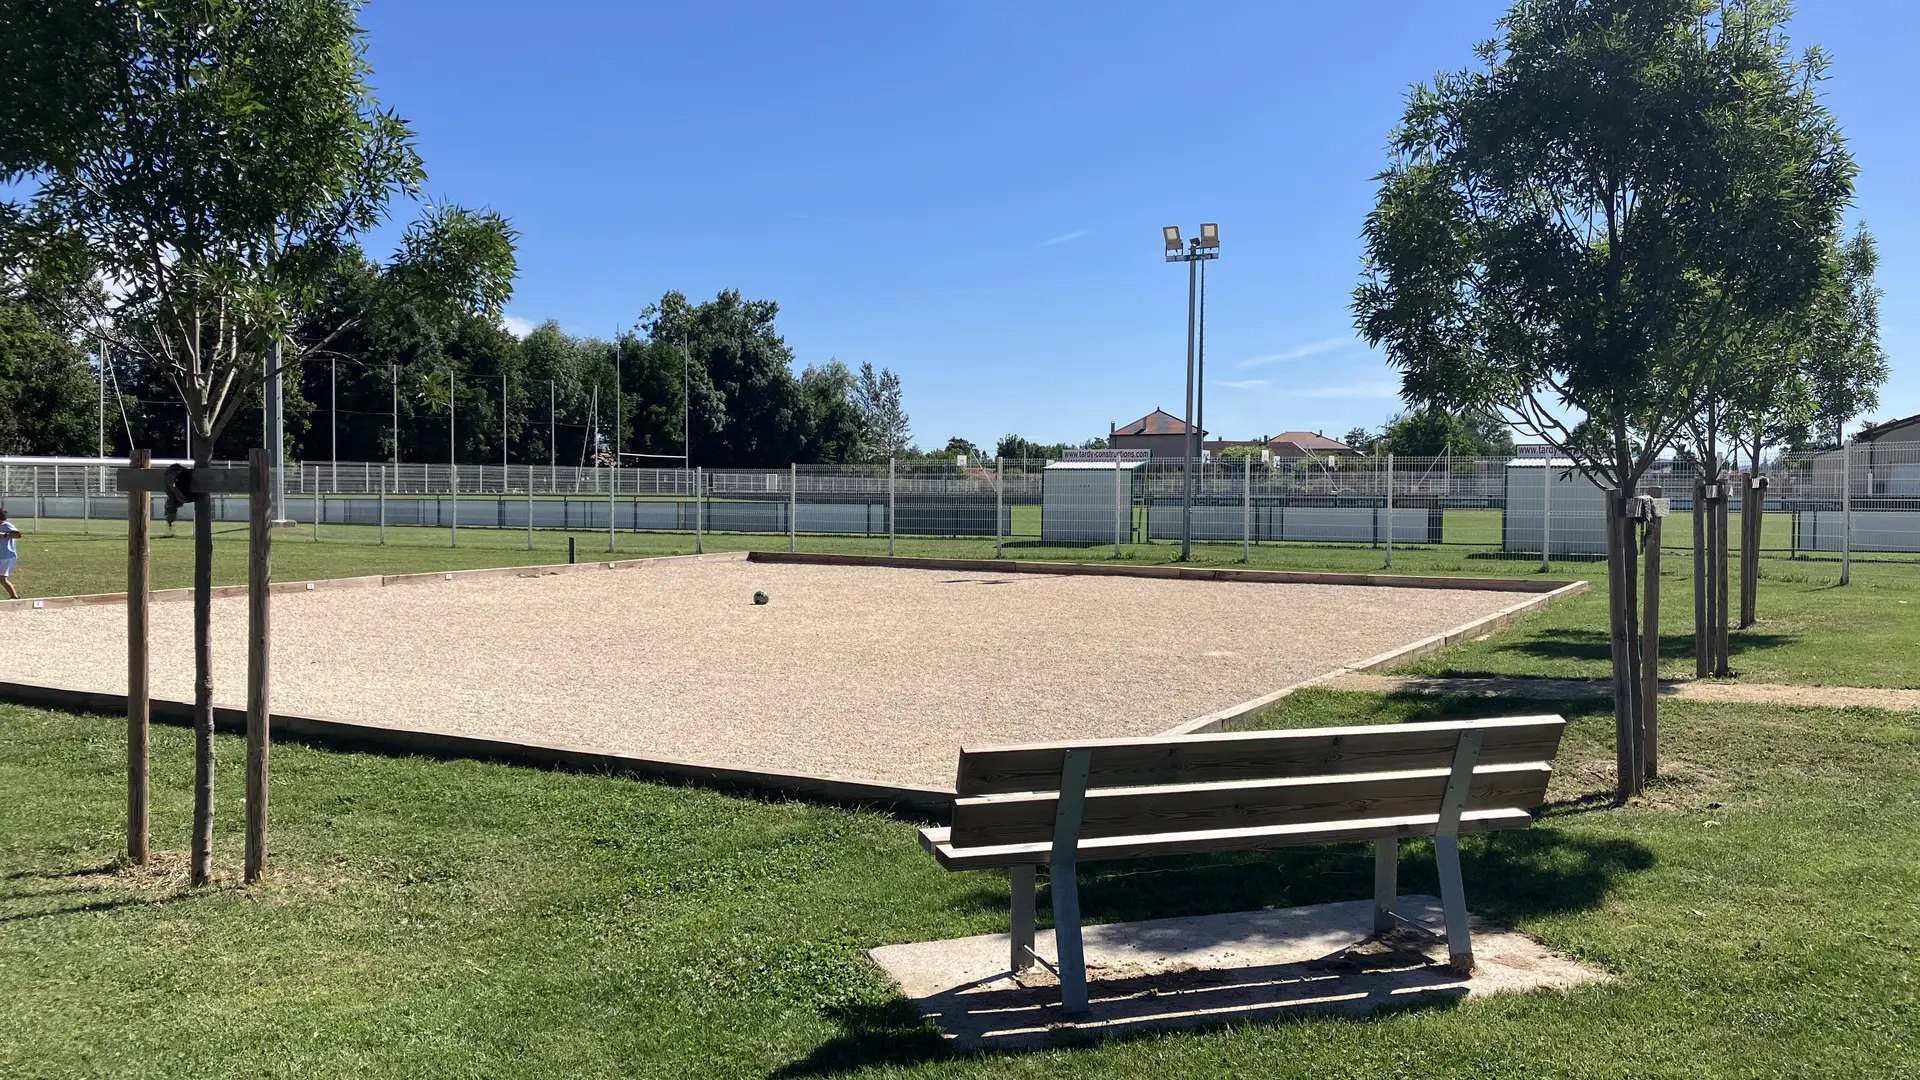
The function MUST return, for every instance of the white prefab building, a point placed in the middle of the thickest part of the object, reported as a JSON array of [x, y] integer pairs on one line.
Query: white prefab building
[[1553, 493], [1088, 502]]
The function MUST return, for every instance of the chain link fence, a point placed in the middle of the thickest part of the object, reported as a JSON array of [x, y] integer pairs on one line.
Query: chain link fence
[[1865, 500]]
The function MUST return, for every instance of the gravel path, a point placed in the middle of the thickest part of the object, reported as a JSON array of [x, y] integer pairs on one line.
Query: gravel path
[[1582, 689], [863, 672]]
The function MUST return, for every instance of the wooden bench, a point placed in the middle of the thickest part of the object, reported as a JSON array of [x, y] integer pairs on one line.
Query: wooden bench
[[1065, 803]]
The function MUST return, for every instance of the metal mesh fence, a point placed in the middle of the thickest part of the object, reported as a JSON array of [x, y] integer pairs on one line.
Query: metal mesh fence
[[1865, 500]]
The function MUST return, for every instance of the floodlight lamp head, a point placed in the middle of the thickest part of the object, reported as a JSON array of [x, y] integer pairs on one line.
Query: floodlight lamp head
[[1172, 233], [1209, 237]]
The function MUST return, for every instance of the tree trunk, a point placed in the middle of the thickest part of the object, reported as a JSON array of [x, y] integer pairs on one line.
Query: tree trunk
[[201, 869], [1624, 636], [1753, 510]]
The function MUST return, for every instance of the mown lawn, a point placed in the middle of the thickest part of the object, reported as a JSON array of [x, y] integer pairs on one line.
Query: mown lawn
[[456, 919]]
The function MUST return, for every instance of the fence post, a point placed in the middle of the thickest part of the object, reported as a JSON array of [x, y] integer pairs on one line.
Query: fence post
[[1116, 506], [699, 496], [613, 484], [529, 507], [889, 507], [999, 503], [1389, 510], [793, 505], [383, 503], [86, 502], [1546, 515], [319, 505], [453, 485], [1846, 513], [1246, 511], [36, 498]]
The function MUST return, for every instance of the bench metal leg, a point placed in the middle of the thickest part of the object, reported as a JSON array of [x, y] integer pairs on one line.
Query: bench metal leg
[[1453, 901], [1023, 896], [1066, 938], [1386, 883], [1446, 849], [1063, 881]]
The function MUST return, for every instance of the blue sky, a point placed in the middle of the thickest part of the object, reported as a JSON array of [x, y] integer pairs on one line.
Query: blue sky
[[971, 193]]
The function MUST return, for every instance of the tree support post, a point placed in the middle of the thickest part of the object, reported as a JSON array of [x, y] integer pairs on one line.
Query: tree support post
[[1722, 667], [1655, 512], [1753, 510], [1624, 641], [1702, 658], [139, 601], [259, 652]]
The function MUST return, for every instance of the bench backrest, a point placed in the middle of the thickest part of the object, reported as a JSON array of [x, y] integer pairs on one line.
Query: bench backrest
[[1010, 794]]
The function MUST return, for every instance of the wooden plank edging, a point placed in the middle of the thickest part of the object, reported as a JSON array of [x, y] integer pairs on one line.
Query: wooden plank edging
[[905, 800], [369, 581], [1180, 573]]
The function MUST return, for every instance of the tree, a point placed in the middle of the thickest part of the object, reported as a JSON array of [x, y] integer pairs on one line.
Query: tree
[[1568, 234], [836, 432], [48, 397], [1361, 439], [1434, 431], [882, 413], [215, 159]]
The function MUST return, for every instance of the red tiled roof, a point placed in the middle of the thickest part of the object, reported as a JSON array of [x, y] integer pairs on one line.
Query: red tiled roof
[[1307, 440], [1157, 422]]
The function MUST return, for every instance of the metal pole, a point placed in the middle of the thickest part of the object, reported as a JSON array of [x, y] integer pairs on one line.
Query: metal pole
[[383, 504], [999, 501], [1193, 451], [686, 403], [529, 506], [553, 440], [1389, 510], [453, 470], [276, 430], [699, 495], [889, 506], [333, 418], [613, 482], [1116, 507], [101, 349], [503, 435], [394, 376], [793, 504], [1546, 514], [1246, 513], [1846, 513]]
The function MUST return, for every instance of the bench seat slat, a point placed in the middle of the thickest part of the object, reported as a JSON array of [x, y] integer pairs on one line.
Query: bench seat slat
[[1259, 755], [937, 841], [1028, 818]]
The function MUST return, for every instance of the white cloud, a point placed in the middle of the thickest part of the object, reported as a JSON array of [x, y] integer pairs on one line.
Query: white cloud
[[1376, 388], [1243, 384], [1064, 237], [518, 326], [1311, 348]]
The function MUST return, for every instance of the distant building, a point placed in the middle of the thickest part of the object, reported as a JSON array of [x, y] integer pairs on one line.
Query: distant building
[[1159, 432], [1304, 445]]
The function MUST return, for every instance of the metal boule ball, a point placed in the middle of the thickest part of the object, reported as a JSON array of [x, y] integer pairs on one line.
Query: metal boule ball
[[759, 598]]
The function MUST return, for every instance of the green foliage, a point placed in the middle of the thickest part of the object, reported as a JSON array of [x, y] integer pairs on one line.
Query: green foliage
[[1581, 223], [883, 413], [836, 432], [48, 397], [1434, 431], [217, 158]]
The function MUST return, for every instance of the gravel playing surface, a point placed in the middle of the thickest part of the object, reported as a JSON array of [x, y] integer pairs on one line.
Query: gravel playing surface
[[863, 672]]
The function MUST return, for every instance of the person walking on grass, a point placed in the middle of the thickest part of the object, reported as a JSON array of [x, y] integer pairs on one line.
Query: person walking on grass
[[8, 553]]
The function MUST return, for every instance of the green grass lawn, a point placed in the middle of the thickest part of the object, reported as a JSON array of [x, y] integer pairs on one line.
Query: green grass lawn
[[456, 919], [1811, 630]]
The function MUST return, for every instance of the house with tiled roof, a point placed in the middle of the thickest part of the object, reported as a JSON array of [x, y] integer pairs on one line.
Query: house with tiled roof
[[1159, 432], [1300, 445]]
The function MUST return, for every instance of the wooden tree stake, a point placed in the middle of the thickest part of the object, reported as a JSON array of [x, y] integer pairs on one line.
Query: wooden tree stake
[[259, 653], [139, 596]]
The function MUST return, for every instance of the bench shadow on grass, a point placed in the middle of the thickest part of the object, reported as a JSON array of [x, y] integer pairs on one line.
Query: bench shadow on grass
[[1509, 876]]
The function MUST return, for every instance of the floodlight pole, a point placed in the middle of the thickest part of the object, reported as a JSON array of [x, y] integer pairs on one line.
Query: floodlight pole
[[1200, 249], [333, 420]]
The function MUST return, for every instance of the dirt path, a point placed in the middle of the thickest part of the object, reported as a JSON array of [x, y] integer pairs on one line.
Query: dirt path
[[1589, 689]]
